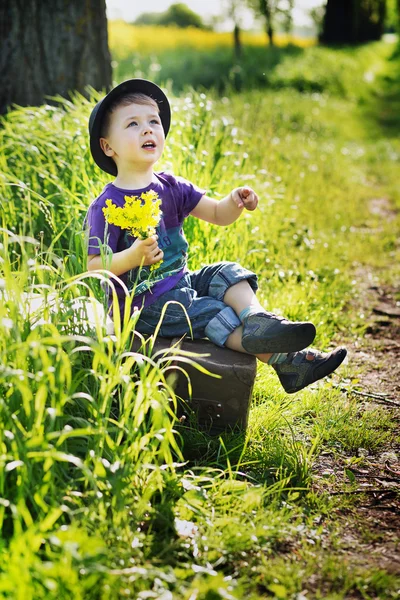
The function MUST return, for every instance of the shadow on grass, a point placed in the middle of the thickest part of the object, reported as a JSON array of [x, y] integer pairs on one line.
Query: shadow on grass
[[267, 461], [385, 104], [216, 68], [210, 448]]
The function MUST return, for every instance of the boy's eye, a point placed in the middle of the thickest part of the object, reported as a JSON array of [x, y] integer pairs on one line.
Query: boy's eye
[[132, 123], [155, 121]]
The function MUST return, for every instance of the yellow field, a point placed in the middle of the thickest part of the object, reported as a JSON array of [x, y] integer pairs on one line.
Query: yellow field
[[125, 39]]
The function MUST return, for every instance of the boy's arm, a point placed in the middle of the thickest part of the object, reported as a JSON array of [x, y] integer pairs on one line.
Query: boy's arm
[[141, 253], [227, 210]]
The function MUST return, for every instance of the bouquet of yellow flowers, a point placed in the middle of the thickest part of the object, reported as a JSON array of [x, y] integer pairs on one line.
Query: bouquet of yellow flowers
[[139, 215]]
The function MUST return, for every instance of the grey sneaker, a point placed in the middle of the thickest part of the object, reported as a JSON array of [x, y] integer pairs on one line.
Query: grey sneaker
[[296, 372], [265, 332]]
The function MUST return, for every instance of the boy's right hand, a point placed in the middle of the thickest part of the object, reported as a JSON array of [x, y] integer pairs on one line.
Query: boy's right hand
[[146, 252]]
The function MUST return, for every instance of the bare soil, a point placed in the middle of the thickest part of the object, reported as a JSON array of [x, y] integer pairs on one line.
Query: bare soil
[[368, 527]]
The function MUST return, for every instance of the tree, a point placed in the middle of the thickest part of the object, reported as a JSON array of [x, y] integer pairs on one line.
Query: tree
[[182, 16], [52, 47], [148, 19], [274, 12], [266, 9], [353, 21], [232, 10], [317, 14], [285, 16], [177, 14]]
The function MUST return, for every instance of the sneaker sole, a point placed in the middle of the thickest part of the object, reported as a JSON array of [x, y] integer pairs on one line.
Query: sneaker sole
[[331, 365], [292, 340]]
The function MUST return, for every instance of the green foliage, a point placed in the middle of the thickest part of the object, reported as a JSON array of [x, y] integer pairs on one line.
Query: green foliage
[[338, 73], [149, 18], [274, 12], [326, 71], [181, 15], [392, 22], [178, 14], [102, 493]]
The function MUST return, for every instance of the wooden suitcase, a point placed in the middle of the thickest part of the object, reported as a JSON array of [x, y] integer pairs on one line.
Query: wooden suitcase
[[218, 404]]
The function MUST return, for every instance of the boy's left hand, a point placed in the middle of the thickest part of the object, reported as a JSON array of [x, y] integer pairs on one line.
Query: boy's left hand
[[245, 197]]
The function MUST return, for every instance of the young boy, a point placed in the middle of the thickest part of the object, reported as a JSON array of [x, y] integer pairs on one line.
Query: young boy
[[127, 130]]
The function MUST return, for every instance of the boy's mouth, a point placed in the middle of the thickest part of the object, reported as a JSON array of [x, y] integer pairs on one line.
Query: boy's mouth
[[149, 145]]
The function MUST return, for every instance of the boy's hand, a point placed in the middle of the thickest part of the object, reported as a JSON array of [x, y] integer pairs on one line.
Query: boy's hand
[[245, 197], [146, 250]]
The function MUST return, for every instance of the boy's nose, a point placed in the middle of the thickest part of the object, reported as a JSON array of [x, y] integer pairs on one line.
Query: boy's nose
[[147, 129]]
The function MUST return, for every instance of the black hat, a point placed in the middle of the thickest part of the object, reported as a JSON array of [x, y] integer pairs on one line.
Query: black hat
[[96, 118]]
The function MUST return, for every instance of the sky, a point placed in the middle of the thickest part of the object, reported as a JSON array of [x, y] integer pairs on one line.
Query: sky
[[129, 10]]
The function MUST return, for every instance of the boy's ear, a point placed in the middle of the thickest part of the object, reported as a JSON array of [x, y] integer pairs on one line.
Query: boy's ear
[[105, 146]]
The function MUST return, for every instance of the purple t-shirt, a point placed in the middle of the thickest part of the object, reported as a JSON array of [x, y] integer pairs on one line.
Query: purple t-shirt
[[178, 198]]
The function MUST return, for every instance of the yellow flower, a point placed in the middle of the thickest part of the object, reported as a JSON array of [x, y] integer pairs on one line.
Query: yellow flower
[[156, 265], [140, 216]]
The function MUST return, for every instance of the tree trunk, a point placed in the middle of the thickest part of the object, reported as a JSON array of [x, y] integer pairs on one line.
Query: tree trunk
[[339, 21], [353, 21], [288, 13], [379, 20], [52, 47], [237, 42], [266, 11], [270, 33]]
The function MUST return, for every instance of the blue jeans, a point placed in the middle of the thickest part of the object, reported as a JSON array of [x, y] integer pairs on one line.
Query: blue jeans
[[201, 292]]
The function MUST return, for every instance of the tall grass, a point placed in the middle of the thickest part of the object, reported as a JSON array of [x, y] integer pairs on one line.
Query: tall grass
[[103, 494]]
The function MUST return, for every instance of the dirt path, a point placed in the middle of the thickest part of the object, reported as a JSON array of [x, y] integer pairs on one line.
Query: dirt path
[[372, 532], [368, 528], [366, 523]]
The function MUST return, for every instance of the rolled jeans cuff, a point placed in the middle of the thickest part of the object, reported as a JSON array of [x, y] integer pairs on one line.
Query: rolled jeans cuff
[[228, 275], [222, 325]]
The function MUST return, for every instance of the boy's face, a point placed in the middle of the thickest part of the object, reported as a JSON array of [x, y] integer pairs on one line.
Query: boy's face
[[135, 137]]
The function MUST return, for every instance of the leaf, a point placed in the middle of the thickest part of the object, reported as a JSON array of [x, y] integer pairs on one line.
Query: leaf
[[279, 590], [350, 475]]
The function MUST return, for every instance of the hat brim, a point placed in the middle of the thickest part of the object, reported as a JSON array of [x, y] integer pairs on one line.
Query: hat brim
[[130, 86]]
